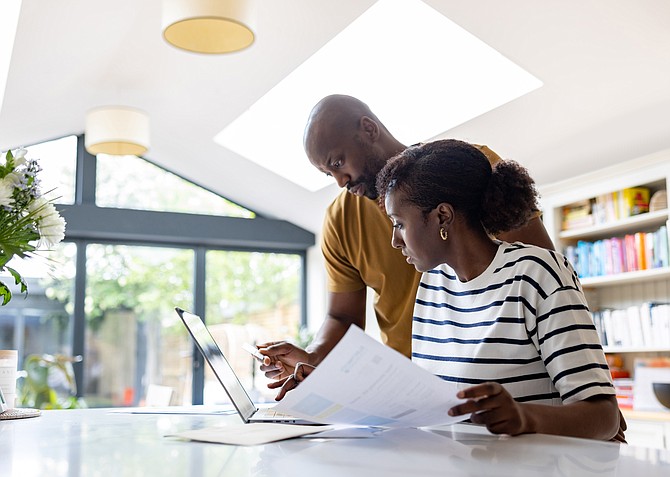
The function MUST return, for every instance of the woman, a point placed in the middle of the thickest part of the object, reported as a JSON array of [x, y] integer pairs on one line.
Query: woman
[[508, 322]]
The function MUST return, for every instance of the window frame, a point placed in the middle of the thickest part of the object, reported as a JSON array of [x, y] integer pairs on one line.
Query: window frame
[[89, 224]]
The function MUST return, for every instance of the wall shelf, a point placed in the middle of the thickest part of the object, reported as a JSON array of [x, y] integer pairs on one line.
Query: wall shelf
[[637, 222], [627, 277], [623, 290], [621, 349]]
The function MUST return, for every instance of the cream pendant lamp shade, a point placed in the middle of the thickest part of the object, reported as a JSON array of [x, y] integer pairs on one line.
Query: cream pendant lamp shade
[[117, 130], [208, 26]]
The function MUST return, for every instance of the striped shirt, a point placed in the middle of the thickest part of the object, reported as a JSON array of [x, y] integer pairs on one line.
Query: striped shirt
[[523, 323]]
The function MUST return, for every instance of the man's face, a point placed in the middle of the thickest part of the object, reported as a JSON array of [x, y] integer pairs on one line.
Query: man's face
[[352, 161]]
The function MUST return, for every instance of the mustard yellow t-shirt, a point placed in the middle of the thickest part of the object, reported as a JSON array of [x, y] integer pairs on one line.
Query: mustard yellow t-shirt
[[356, 245], [357, 249]]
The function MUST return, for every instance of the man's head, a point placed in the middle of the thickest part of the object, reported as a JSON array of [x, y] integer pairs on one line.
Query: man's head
[[344, 139]]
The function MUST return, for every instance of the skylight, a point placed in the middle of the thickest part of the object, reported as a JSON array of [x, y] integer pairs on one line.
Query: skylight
[[9, 19], [417, 70]]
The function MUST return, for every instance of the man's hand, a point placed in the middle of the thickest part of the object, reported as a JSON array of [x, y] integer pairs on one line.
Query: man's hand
[[302, 370], [282, 357], [492, 405]]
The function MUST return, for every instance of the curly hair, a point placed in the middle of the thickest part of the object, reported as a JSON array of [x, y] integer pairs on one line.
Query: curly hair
[[500, 199]]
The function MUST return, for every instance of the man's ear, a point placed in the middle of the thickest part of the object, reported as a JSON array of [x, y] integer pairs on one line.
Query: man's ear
[[369, 128], [445, 214]]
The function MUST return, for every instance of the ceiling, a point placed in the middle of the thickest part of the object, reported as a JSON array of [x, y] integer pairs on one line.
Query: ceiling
[[605, 65]]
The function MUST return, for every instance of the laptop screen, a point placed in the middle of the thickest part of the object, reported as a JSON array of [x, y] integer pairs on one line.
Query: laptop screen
[[222, 369]]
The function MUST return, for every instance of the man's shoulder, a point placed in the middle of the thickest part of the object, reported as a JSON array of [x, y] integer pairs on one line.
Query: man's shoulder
[[493, 157], [346, 203]]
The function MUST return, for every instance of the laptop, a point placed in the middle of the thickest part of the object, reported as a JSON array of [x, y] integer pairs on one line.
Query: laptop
[[229, 381]]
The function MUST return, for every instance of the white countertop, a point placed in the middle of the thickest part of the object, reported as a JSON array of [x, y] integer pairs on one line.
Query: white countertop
[[97, 442]]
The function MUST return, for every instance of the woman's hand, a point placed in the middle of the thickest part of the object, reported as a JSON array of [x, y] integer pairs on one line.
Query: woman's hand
[[302, 370], [490, 404]]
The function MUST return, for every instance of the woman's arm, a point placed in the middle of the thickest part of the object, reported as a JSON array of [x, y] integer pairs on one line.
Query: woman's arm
[[490, 404]]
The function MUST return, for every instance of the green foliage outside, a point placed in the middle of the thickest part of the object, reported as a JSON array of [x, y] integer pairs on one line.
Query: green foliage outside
[[49, 383], [150, 281], [240, 284]]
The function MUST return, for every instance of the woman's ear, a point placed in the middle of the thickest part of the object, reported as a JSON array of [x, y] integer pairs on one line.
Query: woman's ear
[[369, 128], [445, 214]]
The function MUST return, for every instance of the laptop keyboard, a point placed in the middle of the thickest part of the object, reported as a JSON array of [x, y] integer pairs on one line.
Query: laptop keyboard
[[272, 414]]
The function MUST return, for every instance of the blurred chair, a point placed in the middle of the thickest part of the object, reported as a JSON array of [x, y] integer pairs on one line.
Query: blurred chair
[[158, 396]]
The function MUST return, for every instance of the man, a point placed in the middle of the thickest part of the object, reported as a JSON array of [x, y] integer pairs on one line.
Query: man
[[345, 140]]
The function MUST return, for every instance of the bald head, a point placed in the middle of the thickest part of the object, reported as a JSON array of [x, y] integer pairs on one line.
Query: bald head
[[337, 112], [345, 140]]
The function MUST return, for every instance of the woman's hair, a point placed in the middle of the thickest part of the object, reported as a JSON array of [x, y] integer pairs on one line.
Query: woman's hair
[[501, 198]]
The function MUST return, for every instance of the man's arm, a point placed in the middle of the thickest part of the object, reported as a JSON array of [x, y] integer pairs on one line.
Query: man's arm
[[532, 233], [344, 309]]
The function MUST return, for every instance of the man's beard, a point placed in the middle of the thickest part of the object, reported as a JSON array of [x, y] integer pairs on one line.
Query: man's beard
[[375, 163], [369, 182]]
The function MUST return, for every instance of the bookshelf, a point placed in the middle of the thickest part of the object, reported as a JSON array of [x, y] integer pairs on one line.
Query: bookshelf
[[609, 287], [623, 289]]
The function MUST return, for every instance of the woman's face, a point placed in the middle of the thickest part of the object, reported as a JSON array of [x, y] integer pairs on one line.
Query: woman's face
[[417, 236]]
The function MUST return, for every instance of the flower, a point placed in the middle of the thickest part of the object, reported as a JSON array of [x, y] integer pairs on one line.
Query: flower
[[28, 221]]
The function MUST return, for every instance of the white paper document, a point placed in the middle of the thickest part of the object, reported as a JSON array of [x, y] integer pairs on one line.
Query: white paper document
[[365, 383], [248, 434]]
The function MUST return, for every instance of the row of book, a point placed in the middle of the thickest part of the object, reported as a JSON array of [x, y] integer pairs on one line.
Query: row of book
[[632, 252], [624, 388], [606, 208], [638, 326]]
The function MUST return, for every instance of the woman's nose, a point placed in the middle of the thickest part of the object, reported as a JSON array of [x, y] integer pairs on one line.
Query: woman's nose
[[396, 241]]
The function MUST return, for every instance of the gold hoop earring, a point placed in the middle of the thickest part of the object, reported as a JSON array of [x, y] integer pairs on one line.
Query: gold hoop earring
[[443, 233]]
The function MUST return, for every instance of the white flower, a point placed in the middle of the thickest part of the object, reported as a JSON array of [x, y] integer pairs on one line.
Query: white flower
[[20, 157], [13, 178], [6, 191], [52, 229], [26, 216], [50, 225]]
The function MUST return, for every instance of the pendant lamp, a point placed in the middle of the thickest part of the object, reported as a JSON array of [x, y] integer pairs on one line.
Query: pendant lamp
[[117, 130], [208, 26]]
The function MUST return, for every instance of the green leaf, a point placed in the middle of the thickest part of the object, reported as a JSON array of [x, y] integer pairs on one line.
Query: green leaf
[[5, 294], [18, 279]]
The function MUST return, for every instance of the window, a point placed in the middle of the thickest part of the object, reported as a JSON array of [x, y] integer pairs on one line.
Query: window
[[119, 317], [58, 160], [133, 183], [252, 298], [40, 322], [134, 337]]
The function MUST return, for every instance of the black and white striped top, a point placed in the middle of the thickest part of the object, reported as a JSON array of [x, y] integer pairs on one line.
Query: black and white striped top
[[524, 323]]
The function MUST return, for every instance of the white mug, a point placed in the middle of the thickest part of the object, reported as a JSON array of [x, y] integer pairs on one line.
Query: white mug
[[9, 360]]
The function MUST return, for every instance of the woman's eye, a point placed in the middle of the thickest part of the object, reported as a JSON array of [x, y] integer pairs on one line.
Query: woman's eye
[[397, 226]]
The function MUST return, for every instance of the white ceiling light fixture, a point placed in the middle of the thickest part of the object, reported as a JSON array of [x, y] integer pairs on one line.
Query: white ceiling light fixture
[[427, 75], [117, 130], [209, 26]]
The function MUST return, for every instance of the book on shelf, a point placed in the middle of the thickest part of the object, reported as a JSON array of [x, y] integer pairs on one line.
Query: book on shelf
[[606, 208], [577, 215], [632, 252], [634, 201], [638, 326], [624, 388], [640, 247]]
